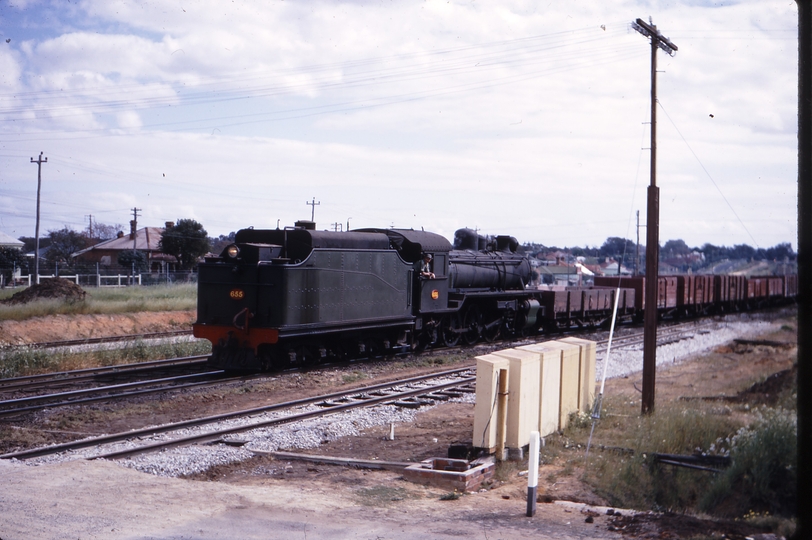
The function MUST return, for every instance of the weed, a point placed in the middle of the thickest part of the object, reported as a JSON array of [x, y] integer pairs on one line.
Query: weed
[[505, 470], [27, 360], [633, 479], [763, 471], [450, 496], [580, 420], [353, 377], [787, 328], [21, 361]]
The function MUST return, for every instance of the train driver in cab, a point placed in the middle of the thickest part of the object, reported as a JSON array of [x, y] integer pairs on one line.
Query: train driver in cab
[[425, 267]]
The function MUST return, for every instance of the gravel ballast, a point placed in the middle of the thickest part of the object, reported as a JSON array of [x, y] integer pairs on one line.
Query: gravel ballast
[[311, 433]]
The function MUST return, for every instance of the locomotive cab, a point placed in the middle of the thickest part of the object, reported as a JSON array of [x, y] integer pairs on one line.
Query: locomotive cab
[[432, 292]]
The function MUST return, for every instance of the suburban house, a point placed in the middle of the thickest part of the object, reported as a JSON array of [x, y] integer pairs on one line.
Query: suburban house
[[8, 241], [146, 240]]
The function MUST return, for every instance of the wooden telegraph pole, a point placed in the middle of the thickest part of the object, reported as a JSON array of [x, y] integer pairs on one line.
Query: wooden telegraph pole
[[652, 224], [804, 482], [39, 163], [314, 204]]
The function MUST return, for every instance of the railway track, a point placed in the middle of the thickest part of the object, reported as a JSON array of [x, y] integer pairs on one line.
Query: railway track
[[665, 335], [410, 392], [18, 405], [63, 378], [107, 339], [13, 407]]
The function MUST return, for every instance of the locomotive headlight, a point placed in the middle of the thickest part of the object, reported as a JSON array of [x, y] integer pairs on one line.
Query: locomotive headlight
[[232, 251]]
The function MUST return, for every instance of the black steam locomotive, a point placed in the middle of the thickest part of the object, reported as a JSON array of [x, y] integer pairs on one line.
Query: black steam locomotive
[[298, 295]]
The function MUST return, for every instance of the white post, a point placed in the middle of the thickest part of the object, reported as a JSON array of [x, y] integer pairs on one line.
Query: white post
[[532, 473]]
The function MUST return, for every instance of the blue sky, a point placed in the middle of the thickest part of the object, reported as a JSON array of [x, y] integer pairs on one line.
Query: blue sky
[[510, 117]]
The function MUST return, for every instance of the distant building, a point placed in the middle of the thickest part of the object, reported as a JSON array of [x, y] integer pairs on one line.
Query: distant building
[[8, 241], [145, 240], [612, 268]]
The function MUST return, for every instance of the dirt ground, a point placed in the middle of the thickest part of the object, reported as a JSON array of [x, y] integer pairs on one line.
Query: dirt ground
[[268, 498], [66, 327]]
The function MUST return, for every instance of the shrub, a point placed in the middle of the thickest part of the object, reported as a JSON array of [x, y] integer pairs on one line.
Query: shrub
[[763, 473]]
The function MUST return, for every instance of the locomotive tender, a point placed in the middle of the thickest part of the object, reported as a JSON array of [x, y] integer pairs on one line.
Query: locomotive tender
[[292, 296]]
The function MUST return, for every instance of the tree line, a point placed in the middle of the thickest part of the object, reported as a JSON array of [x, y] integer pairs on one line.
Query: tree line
[[623, 249]]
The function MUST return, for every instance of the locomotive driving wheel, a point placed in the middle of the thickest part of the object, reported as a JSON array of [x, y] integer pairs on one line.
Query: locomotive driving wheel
[[450, 330], [472, 323], [492, 330]]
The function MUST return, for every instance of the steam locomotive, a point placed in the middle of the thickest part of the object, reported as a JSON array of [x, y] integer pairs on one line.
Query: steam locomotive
[[297, 296]]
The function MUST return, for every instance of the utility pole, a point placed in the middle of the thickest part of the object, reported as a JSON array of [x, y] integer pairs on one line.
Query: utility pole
[[90, 226], [39, 163], [658, 41], [134, 229], [134, 225], [338, 227], [637, 246], [804, 482], [314, 204]]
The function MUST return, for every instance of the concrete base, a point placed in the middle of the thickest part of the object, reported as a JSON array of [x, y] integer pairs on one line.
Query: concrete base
[[515, 454], [452, 474]]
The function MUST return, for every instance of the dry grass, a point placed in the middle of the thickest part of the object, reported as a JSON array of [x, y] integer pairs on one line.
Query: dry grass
[[21, 361], [178, 297]]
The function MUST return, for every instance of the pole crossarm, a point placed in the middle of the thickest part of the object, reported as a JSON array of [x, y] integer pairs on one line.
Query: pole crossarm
[[650, 31]]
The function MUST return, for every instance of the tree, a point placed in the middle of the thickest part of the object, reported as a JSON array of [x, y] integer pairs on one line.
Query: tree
[[64, 243], [219, 244], [11, 258], [187, 240], [133, 259], [779, 251], [713, 253], [616, 248], [742, 251], [101, 231], [675, 248]]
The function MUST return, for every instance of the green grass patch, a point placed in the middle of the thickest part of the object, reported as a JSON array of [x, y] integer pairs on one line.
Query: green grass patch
[[106, 300], [22, 361], [761, 445], [353, 377]]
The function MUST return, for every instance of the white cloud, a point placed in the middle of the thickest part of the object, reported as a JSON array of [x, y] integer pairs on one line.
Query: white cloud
[[514, 117]]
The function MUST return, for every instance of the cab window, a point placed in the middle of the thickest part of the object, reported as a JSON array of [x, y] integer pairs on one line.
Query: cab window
[[440, 265]]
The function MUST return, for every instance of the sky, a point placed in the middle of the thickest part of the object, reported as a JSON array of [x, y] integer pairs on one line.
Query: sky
[[513, 117]]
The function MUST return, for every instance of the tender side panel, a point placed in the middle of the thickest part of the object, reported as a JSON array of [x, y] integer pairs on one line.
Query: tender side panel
[[334, 286]]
